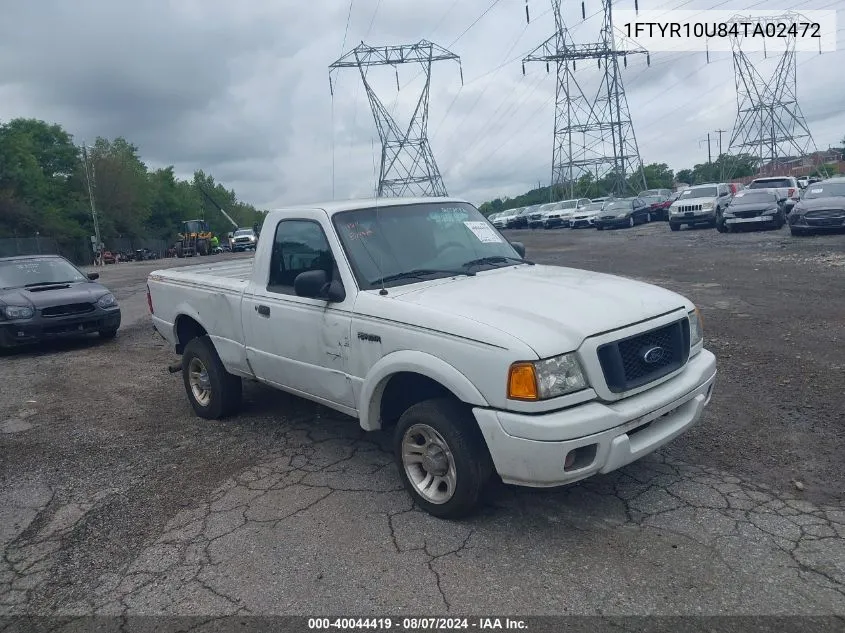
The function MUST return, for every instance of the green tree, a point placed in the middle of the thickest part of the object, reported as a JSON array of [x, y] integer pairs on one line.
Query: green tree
[[121, 188], [658, 176]]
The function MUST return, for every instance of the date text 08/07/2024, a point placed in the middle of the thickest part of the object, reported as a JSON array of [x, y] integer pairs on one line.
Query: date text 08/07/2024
[[417, 624]]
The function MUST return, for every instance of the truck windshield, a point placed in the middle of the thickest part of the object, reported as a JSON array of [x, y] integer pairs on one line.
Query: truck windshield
[[440, 237], [30, 272], [242, 232]]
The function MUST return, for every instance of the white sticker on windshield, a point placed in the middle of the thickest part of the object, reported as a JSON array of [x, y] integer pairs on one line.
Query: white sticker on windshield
[[483, 232], [817, 190]]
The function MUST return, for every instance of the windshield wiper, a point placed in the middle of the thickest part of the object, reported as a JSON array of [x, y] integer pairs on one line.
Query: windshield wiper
[[496, 259], [47, 283], [419, 273]]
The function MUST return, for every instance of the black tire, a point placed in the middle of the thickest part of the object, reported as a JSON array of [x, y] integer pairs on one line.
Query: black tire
[[202, 247], [107, 334], [473, 467], [674, 226], [180, 252], [600, 227], [225, 390], [797, 232]]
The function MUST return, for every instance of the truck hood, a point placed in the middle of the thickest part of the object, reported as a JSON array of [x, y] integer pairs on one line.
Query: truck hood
[[550, 308], [78, 292]]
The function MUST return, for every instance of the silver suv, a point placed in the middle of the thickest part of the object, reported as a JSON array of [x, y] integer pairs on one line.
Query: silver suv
[[700, 204]]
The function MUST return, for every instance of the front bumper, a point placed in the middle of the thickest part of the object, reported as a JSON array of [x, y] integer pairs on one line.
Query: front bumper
[[552, 223], [759, 220], [582, 223], [615, 222], [531, 450], [37, 329], [693, 217]]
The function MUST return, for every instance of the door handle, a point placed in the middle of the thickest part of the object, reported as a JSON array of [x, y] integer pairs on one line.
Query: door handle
[[263, 310]]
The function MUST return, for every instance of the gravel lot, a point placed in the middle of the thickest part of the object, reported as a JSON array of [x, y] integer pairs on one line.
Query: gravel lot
[[115, 499]]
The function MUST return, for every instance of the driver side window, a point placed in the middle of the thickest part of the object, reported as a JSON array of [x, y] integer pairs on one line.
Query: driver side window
[[298, 246]]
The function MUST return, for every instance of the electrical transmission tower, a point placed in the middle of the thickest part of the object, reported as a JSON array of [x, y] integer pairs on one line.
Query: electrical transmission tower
[[593, 133], [407, 162], [770, 126]]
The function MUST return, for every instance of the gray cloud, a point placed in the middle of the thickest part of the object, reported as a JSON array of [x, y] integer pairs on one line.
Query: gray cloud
[[241, 90]]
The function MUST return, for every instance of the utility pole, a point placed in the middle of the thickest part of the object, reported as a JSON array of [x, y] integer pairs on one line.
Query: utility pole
[[89, 177], [593, 133], [709, 154], [720, 132], [407, 162]]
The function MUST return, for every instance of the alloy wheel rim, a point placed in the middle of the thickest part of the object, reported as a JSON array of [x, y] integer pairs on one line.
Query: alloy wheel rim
[[429, 464]]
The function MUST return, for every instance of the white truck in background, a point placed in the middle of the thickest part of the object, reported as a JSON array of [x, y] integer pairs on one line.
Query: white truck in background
[[418, 318]]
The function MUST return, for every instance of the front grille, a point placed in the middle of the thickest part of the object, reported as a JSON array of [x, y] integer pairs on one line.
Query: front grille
[[536, 216], [624, 362], [747, 214], [71, 308], [689, 207], [838, 214]]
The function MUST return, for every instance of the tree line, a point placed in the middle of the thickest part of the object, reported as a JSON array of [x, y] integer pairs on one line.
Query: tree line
[[44, 189]]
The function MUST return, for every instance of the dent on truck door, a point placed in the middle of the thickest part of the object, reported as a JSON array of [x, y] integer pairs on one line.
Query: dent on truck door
[[299, 342]]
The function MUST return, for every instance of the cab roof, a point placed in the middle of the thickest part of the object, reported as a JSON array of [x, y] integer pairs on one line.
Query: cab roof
[[337, 206]]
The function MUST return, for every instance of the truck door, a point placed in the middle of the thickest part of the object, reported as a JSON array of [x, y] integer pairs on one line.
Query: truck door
[[298, 343]]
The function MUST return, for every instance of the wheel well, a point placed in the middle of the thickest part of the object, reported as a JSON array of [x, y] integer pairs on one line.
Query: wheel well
[[187, 329], [405, 389]]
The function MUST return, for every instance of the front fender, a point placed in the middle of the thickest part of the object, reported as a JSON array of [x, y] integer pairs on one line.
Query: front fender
[[369, 402]]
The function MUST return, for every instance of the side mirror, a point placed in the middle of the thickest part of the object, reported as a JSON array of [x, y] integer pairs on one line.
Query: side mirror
[[93, 276], [519, 247], [315, 284]]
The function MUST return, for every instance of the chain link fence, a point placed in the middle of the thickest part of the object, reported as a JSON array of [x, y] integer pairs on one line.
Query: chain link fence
[[79, 251]]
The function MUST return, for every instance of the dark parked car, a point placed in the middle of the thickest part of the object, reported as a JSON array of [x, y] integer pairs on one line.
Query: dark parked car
[[45, 297], [623, 212], [753, 208], [821, 208]]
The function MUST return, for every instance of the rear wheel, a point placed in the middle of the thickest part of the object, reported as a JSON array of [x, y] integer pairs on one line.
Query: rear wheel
[[212, 391], [442, 458]]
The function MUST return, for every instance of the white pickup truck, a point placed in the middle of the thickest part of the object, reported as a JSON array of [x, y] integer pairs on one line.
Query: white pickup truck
[[416, 316]]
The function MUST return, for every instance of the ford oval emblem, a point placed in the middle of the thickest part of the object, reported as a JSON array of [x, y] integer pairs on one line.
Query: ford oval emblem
[[655, 355]]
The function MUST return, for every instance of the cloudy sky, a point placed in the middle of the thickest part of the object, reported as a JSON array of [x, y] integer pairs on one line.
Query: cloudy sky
[[241, 90]]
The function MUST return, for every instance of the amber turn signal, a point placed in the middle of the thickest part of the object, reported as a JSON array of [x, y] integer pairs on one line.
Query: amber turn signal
[[522, 382]]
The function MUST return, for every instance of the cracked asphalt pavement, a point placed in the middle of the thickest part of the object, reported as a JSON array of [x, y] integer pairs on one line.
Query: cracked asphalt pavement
[[116, 499]]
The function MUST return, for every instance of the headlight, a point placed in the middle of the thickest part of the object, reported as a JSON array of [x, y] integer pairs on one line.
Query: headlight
[[624, 214], [707, 205], [544, 379], [18, 312], [696, 328], [107, 301], [771, 211]]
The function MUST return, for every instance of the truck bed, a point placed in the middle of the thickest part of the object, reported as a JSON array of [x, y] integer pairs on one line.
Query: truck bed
[[226, 275]]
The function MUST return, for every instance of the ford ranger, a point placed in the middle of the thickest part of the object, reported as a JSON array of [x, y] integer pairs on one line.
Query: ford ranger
[[418, 318]]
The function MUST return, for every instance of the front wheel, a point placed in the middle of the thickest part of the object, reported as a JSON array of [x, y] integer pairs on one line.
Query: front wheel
[[107, 334], [442, 458], [674, 226], [797, 232], [213, 392]]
